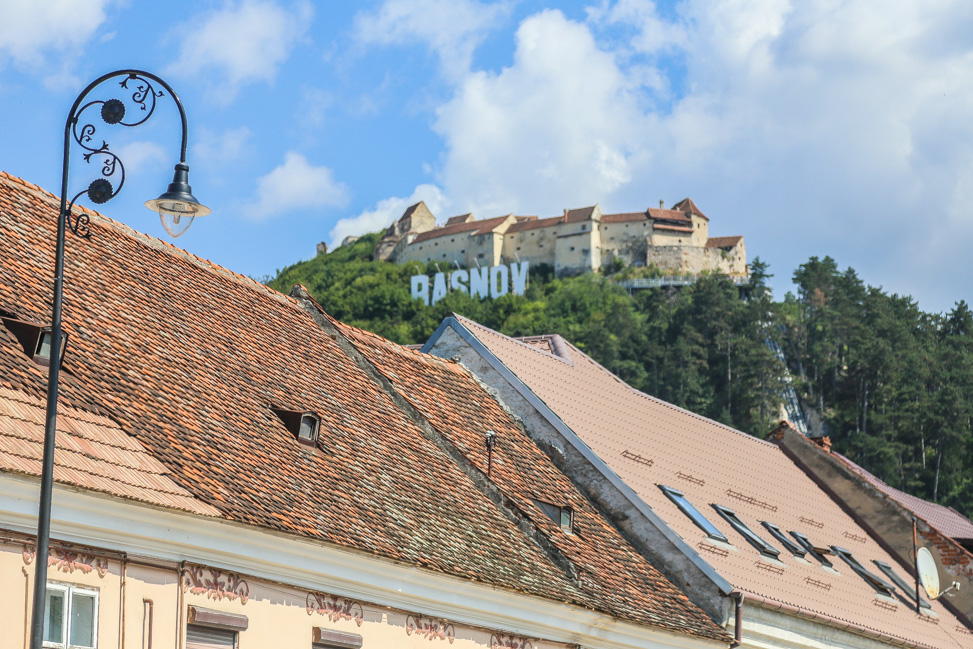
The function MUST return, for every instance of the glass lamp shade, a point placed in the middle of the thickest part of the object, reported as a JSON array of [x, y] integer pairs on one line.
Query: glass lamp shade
[[178, 207]]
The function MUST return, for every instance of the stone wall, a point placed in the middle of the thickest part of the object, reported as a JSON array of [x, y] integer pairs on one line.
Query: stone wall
[[687, 259]]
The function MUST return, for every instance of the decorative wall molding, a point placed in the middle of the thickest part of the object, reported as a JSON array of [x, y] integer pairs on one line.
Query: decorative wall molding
[[216, 584], [67, 561], [335, 608], [429, 628], [502, 641]]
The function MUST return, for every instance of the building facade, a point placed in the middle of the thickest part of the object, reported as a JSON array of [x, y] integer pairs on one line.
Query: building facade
[[234, 468], [676, 240], [751, 535]]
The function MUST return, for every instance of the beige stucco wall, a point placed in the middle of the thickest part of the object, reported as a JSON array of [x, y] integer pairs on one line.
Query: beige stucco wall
[[536, 246], [158, 595], [700, 230]]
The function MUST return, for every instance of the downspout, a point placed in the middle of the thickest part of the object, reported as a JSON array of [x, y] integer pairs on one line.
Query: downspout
[[737, 597]]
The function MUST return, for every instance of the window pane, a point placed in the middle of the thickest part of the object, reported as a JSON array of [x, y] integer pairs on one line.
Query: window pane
[[44, 348], [689, 510], [54, 622], [82, 620]]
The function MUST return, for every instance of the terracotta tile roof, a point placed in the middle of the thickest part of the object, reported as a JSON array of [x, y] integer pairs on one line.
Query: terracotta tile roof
[[624, 218], [92, 452], [189, 359], [479, 227], [673, 215], [687, 205], [579, 214], [945, 519], [723, 242], [613, 578], [533, 224], [462, 218], [673, 228], [711, 463]]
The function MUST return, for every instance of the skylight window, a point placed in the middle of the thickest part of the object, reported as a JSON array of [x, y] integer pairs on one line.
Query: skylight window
[[817, 553], [752, 537], [910, 591], [880, 585], [788, 544], [687, 508]]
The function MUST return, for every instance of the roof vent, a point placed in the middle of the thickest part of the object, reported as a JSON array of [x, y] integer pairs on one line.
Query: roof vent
[[303, 424], [35, 339]]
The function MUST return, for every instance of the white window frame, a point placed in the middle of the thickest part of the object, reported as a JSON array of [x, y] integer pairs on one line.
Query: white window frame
[[69, 590]]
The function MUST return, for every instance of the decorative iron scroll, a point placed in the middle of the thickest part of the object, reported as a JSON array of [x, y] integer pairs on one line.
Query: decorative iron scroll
[[335, 608], [500, 641], [429, 628], [215, 583], [67, 561], [112, 111]]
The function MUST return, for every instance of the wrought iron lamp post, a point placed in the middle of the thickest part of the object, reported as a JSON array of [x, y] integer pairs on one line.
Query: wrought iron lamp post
[[177, 208]]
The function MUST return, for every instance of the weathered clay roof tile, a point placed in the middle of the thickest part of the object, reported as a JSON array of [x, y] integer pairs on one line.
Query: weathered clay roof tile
[[184, 360]]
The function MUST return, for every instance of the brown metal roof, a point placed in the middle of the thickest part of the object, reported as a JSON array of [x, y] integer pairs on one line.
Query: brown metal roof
[[711, 463], [945, 519]]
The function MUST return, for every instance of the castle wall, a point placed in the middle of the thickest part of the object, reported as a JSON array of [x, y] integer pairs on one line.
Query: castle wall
[[536, 246], [684, 259]]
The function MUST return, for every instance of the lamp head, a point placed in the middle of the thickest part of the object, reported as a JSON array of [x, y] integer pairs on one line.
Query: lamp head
[[178, 207]]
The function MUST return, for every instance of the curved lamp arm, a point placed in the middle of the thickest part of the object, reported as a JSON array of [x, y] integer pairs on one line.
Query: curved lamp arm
[[178, 203]]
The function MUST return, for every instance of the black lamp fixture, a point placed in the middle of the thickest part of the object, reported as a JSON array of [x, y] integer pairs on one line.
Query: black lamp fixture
[[177, 209]]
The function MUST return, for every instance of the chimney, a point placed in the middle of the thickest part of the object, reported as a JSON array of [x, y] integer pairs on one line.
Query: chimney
[[662, 204]]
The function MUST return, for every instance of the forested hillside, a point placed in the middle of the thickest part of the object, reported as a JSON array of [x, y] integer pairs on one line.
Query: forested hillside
[[893, 386]]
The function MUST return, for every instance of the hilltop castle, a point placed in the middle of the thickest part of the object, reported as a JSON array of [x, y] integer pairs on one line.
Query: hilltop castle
[[676, 240]]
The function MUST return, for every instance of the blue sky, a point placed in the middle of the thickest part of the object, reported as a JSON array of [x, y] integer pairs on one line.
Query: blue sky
[[812, 127]]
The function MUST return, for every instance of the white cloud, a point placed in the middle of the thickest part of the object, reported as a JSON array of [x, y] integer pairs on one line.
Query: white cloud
[[139, 156], [555, 128], [243, 43], [295, 185], [220, 148], [386, 211], [28, 30], [812, 128], [452, 29]]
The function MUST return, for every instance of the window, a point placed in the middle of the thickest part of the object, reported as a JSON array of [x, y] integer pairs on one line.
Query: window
[[910, 591], [304, 425], [687, 508], [880, 585], [563, 516], [72, 617], [817, 553], [756, 541], [789, 545], [209, 629], [35, 339]]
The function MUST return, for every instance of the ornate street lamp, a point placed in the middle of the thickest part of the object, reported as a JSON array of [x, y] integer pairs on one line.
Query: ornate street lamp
[[177, 208]]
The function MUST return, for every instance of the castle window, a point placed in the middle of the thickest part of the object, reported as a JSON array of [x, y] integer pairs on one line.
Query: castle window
[[582, 227], [572, 248]]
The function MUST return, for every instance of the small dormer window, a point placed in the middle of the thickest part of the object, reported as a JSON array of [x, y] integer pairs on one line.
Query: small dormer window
[[308, 432], [304, 425], [35, 339], [562, 516]]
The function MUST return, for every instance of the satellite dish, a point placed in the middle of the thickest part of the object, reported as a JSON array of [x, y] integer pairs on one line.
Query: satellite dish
[[928, 573]]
